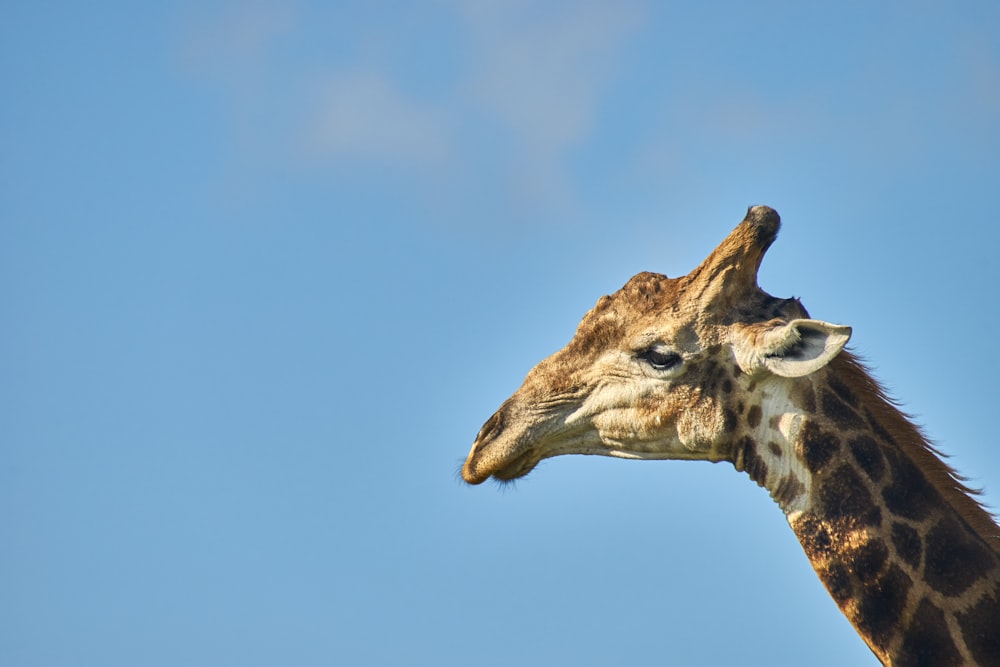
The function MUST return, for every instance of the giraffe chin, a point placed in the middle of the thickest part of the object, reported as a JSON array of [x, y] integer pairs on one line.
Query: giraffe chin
[[519, 467]]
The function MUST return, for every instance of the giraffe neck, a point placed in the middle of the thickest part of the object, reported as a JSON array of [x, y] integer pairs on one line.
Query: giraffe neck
[[908, 556]]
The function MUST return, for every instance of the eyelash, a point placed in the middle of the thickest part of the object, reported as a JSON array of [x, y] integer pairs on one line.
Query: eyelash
[[660, 360]]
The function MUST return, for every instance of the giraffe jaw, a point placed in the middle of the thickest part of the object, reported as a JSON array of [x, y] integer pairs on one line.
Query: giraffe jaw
[[476, 471]]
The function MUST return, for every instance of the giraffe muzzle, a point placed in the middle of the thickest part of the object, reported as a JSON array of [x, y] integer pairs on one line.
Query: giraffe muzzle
[[512, 442]]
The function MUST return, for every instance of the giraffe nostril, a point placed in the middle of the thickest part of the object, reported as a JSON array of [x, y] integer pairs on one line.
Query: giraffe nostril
[[477, 468], [491, 429]]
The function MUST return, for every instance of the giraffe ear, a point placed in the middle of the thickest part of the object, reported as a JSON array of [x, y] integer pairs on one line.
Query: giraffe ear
[[793, 349]]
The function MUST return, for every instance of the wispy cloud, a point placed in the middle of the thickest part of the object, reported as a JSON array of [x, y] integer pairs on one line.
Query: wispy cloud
[[363, 116], [232, 43], [541, 73], [526, 93]]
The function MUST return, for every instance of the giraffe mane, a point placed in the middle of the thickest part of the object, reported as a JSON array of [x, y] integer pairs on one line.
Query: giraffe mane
[[884, 413]]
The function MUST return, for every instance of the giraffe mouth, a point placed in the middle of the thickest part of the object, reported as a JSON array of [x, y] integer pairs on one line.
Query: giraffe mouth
[[517, 467], [484, 463], [505, 463]]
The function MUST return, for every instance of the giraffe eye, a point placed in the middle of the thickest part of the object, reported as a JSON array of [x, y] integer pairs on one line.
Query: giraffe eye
[[660, 359]]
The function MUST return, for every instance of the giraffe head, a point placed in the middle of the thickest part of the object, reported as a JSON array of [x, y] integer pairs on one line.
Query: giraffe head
[[654, 368]]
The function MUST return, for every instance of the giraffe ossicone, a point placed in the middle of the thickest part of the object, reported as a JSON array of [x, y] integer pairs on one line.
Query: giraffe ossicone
[[708, 366]]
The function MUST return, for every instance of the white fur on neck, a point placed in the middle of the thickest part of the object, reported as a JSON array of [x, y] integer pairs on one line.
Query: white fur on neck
[[779, 410]]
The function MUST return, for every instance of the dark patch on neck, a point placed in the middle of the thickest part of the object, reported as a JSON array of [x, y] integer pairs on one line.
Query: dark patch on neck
[[869, 560], [909, 495], [880, 607], [838, 581], [955, 559], [787, 491], [908, 544], [747, 459], [754, 415], [842, 391], [840, 413], [805, 397], [814, 537], [879, 430], [927, 640], [866, 452], [816, 446], [844, 498], [981, 629]]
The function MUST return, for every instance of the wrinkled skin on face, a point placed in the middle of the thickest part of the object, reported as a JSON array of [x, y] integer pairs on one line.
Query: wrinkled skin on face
[[646, 373]]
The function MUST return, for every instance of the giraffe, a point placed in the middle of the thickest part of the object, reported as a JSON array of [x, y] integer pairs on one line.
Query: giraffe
[[708, 366]]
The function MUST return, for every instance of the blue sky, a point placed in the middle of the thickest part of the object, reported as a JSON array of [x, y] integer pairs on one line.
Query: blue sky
[[266, 267]]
